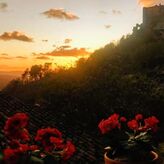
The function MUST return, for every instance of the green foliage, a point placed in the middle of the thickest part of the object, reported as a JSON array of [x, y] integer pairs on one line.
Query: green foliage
[[35, 160]]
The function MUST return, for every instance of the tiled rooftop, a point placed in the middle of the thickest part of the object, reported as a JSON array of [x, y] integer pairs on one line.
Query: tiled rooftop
[[88, 144]]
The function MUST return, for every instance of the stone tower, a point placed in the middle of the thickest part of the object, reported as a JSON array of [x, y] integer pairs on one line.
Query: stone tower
[[153, 17]]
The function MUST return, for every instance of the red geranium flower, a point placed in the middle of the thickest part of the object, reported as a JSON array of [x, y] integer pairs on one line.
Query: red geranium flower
[[123, 119], [133, 125], [10, 157], [12, 154], [15, 127], [57, 142], [17, 121], [151, 122], [129, 136], [17, 148], [109, 124], [69, 150], [33, 147], [43, 136], [139, 117]]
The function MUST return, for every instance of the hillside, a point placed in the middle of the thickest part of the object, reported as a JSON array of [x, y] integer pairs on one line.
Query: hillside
[[126, 78]]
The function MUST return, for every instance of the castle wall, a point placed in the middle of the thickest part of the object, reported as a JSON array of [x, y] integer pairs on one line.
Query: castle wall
[[153, 17]]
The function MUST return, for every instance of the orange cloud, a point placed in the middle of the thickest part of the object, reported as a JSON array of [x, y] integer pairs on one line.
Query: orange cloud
[[67, 41], [21, 57], [43, 58], [116, 12], [63, 47], [4, 54], [3, 6], [148, 3], [75, 52], [15, 35], [5, 58], [60, 14], [64, 52]]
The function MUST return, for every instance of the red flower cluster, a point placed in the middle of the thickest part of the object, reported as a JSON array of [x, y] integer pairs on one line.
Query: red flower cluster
[[130, 136], [69, 150], [15, 127], [109, 124], [149, 123], [114, 121], [17, 141], [51, 140], [139, 117], [48, 136], [123, 119], [152, 123], [133, 125], [13, 153]]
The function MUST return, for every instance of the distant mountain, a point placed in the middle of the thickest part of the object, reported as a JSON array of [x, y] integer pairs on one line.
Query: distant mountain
[[6, 77]]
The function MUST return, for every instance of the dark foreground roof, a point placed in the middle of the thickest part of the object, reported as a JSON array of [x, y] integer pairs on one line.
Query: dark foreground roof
[[88, 144]]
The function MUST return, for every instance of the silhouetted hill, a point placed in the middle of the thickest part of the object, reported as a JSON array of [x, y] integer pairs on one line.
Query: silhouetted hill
[[126, 78]]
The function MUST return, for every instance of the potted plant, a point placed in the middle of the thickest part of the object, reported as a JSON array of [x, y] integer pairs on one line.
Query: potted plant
[[17, 146], [130, 141]]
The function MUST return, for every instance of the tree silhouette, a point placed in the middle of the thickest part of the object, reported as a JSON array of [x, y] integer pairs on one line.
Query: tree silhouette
[[36, 72], [25, 75]]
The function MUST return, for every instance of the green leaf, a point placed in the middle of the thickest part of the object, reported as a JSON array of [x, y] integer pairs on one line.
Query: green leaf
[[1, 156], [36, 153], [36, 160], [1, 136]]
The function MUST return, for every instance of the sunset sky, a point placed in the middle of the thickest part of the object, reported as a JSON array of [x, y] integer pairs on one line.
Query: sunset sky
[[61, 31]]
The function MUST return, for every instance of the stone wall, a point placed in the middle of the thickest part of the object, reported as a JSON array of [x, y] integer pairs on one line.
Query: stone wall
[[153, 17]]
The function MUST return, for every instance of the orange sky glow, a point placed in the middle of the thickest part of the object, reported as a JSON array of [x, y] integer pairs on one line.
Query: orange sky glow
[[61, 32]]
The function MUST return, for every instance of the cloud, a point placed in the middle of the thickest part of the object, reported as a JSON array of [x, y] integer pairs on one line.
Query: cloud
[[116, 12], [108, 26], [44, 40], [148, 3], [5, 58], [60, 14], [4, 54], [103, 12], [63, 47], [15, 35], [3, 6], [43, 57], [21, 57], [65, 52], [67, 40]]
